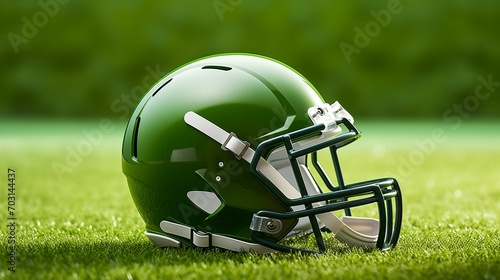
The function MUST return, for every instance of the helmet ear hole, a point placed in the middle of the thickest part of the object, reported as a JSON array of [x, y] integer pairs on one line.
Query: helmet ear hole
[[205, 200]]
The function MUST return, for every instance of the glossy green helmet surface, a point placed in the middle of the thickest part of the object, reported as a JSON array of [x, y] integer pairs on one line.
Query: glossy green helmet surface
[[182, 180]]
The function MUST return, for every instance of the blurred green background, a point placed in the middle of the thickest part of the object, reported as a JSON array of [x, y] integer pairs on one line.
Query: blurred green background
[[81, 59]]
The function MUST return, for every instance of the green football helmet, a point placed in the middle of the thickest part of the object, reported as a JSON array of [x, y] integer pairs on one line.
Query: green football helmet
[[226, 152]]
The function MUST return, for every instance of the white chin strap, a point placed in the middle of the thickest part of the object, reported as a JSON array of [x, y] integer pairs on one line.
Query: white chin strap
[[202, 239], [354, 231]]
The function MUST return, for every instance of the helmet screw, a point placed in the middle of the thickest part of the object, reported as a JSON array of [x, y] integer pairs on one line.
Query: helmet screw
[[221, 164], [217, 178], [271, 225]]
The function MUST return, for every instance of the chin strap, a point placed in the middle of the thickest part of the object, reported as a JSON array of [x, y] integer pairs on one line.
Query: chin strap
[[202, 239], [354, 231]]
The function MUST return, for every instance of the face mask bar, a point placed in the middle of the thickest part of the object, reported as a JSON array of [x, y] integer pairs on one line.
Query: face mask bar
[[342, 197]]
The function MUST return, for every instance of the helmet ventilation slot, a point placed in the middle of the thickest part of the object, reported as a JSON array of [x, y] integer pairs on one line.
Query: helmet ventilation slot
[[217, 67], [136, 132], [162, 87]]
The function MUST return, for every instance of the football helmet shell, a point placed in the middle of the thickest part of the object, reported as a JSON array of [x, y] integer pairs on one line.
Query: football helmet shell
[[218, 154]]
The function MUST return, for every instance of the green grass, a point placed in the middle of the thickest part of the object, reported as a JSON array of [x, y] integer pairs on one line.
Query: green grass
[[85, 226]]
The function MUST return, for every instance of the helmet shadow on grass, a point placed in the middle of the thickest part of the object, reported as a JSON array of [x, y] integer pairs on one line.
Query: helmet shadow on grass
[[103, 254]]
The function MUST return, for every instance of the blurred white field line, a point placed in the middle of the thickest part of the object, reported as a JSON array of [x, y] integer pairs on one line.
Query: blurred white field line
[[362, 37], [32, 25], [94, 137], [453, 118], [223, 6]]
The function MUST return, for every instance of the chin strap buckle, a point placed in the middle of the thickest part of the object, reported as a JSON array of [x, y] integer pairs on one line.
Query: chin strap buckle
[[235, 145], [201, 239]]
